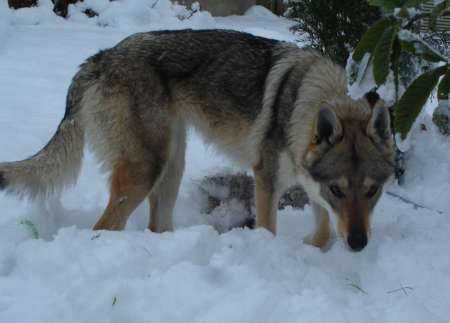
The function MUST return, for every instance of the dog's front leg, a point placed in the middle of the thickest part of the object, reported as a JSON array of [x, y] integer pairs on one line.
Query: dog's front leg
[[266, 198], [322, 232]]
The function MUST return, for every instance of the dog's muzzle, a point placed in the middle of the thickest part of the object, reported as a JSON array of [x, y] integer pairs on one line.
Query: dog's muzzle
[[357, 241]]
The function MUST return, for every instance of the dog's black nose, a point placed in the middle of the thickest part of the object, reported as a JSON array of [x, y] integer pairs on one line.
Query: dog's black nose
[[357, 241]]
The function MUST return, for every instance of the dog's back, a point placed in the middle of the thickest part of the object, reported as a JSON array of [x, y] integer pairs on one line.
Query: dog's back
[[213, 79]]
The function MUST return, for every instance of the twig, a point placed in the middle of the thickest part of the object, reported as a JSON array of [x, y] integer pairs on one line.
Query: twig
[[193, 12], [147, 251], [414, 204], [154, 4], [403, 289], [358, 288]]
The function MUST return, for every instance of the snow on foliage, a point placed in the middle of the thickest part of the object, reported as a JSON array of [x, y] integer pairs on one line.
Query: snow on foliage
[[389, 50]]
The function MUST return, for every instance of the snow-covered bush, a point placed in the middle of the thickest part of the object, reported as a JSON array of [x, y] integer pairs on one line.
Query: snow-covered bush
[[378, 60]]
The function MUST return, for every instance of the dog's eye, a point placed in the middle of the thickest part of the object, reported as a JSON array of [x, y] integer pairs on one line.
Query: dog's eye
[[372, 191], [336, 191]]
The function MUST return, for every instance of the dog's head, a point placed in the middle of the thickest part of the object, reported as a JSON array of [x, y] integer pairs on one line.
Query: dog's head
[[351, 159]]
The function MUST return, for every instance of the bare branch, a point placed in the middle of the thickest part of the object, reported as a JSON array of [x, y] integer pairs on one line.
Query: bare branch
[[414, 204]]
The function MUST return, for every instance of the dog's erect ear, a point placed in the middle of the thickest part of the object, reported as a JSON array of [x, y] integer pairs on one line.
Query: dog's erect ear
[[372, 98], [328, 127], [379, 127]]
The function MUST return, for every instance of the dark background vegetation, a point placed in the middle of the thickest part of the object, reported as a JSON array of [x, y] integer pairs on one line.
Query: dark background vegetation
[[334, 27]]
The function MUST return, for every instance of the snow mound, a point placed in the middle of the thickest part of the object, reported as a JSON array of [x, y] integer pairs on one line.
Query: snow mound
[[260, 12]]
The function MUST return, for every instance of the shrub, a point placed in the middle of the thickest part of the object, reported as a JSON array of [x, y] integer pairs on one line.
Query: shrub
[[334, 27]]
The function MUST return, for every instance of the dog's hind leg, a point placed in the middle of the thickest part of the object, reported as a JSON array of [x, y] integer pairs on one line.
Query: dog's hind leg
[[322, 233], [132, 138], [266, 193], [164, 194], [129, 188]]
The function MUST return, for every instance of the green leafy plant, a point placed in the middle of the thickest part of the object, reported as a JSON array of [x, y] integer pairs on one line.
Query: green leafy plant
[[377, 58]]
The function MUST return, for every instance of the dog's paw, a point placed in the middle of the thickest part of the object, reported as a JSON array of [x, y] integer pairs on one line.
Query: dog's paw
[[321, 241]]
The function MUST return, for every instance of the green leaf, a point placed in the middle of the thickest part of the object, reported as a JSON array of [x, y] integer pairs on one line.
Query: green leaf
[[437, 11], [413, 100], [415, 45], [395, 57], [370, 39], [382, 55], [444, 87]]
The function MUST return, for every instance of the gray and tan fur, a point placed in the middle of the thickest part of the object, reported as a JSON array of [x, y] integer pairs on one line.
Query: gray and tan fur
[[281, 110]]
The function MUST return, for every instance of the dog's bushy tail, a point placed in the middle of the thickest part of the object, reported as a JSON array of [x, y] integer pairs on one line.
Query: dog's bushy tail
[[58, 164]]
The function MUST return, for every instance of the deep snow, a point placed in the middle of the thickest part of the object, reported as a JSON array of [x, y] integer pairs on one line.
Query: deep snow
[[72, 274]]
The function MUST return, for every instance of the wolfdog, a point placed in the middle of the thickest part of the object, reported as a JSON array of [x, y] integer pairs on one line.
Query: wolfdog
[[279, 109]]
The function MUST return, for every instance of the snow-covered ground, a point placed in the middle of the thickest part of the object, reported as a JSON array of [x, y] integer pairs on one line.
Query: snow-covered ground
[[72, 274]]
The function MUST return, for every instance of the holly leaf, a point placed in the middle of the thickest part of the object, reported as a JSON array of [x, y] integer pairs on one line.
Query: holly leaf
[[411, 103], [382, 55], [370, 39]]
